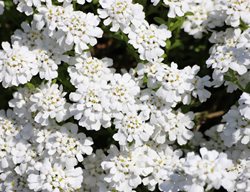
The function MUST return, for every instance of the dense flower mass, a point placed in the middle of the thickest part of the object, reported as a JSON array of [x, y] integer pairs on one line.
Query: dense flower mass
[[125, 95]]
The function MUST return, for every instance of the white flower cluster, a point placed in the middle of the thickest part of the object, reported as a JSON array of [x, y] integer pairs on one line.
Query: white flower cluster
[[42, 105], [204, 15], [17, 64], [66, 98], [197, 23], [149, 39], [237, 123], [68, 27], [175, 85], [29, 6], [1, 7], [177, 8], [48, 55], [229, 55], [235, 11], [121, 14], [130, 19], [36, 158]]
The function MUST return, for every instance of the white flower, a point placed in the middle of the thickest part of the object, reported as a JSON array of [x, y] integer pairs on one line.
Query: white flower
[[48, 54], [89, 106], [155, 2], [84, 70], [93, 173], [133, 127], [121, 14], [15, 180], [177, 8], [29, 36], [177, 125], [122, 172], [81, 2], [243, 180], [17, 65], [21, 104], [48, 64], [196, 23], [19, 152], [229, 53], [177, 85], [81, 36], [244, 107], [69, 27], [236, 129], [8, 125], [64, 142], [174, 85], [210, 168], [154, 71], [235, 11], [54, 176], [121, 94], [199, 88], [26, 6], [1, 7], [48, 103], [149, 39], [164, 162]]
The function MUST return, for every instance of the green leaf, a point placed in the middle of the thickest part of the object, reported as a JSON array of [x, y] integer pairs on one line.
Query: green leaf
[[227, 78], [168, 44], [159, 20], [142, 2], [30, 86], [177, 24], [243, 26], [247, 88]]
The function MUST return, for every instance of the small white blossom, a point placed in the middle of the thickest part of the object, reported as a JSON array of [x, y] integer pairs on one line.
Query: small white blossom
[[93, 173], [70, 28], [48, 103], [244, 105], [177, 85], [133, 127], [155, 2], [26, 6], [17, 65], [54, 176], [1, 7], [235, 11], [210, 168], [236, 129], [121, 14], [84, 70], [196, 23], [148, 40], [177, 8], [89, 106], [48, 54], [229, 53], [164, 162], [64, 142], [122, 172], [177, 125], [121, 94]]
